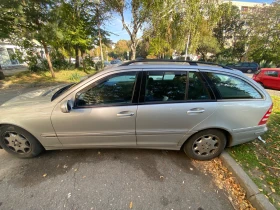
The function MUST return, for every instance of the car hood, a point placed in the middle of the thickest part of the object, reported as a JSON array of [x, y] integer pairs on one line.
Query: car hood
[[32, 98]]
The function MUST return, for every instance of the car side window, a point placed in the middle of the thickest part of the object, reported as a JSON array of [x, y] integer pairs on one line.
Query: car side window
[[115, 89], [231, 87], [165, 86], [197, 89], [253, 65], [271, 73]]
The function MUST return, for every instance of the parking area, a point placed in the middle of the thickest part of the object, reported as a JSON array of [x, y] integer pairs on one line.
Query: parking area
[[105, 179]]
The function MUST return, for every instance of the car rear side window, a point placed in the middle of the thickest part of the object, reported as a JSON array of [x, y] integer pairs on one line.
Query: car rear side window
[[116, 89], [165, 86], [271, 73], [173, 86], [253, 65], [231, 87], [197, 90]]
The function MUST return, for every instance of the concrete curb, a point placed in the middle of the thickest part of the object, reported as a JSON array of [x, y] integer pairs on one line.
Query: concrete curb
[[257, 199]]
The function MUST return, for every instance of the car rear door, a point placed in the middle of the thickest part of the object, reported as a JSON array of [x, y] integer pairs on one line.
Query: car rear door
[[172, 103], [104, 113]]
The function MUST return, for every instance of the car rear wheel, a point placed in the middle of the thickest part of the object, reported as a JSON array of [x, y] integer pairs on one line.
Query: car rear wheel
[[205, 145], [19, 142], [249, 71]]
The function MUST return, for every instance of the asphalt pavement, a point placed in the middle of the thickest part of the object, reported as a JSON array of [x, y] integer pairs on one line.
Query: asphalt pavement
[[106, 179]]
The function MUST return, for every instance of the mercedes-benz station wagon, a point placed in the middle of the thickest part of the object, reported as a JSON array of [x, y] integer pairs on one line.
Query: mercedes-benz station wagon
[[197, 107]]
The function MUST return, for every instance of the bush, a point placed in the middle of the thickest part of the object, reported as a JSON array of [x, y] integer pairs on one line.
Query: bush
[[265, 64], [59, 64]]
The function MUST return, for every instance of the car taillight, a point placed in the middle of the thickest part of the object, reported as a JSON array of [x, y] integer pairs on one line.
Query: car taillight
[[266, 116]]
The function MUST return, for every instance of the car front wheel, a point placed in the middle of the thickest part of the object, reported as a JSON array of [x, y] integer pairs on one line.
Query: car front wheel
[[19, 142], [205, 145]]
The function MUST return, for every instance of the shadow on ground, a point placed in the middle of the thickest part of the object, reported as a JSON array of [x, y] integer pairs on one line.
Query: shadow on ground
[[54, 163]]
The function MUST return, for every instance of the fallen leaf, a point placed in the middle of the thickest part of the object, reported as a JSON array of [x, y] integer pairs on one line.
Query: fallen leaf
[[272, 189], [99, 153], [75, 169], [260, 189], [271, 183], [130, 205], [44, 175], [161, 177], [65, 166], [191, 169]]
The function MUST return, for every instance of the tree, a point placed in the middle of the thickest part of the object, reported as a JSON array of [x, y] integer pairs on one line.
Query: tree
[[121, 49], [264, 25], [177, 24], [140, 10], [207, 42], [229, 25], [32, 20], [82, 30]]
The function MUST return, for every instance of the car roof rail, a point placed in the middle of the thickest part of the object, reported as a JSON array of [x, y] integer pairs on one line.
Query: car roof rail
[[192, 63]]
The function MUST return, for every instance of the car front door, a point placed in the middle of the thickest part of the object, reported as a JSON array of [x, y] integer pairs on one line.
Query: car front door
[[271, 79], [103, 114], [171, 104]]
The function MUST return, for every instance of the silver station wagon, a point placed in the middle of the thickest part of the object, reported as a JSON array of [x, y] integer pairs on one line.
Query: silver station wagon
[[200, 108]]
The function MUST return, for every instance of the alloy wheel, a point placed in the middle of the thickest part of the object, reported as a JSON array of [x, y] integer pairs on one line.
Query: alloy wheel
[[17, 142], [206, 145]]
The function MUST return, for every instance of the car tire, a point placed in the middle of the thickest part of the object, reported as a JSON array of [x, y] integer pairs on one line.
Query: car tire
[[19, 142], [205, 145], [249, 71]]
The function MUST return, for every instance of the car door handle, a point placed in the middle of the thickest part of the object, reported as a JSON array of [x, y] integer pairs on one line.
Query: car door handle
[[125, 114], [195, 110]]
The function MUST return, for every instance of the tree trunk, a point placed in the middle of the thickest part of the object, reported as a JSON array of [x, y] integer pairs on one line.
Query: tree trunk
[[100, 45], [133, 52], [77, 64], [48, 59]]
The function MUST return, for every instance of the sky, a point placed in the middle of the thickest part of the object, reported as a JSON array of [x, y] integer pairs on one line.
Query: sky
[[117, 32]]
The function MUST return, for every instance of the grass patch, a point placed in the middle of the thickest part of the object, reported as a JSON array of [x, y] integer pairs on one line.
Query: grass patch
[[62, 76], [262, 161]]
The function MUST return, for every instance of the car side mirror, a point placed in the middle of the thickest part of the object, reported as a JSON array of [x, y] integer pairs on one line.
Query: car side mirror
[[66, 106]]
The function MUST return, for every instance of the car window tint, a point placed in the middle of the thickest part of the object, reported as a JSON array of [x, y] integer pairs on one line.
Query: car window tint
[[115, 89], [271, 73], [233, 88], [165, 86], [197, 90], [245, 64]]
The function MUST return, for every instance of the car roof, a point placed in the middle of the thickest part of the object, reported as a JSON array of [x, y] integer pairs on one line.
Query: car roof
[[159, 66], [274, 69]]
